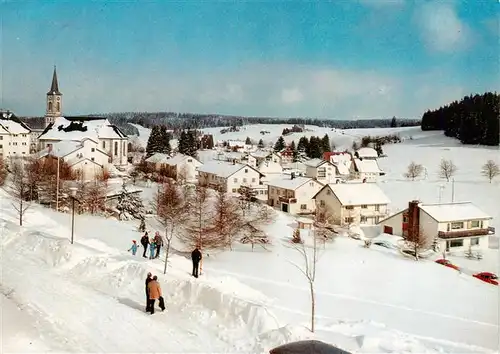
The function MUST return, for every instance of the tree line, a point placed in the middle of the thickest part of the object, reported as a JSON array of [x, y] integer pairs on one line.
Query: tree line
[[475, 119]]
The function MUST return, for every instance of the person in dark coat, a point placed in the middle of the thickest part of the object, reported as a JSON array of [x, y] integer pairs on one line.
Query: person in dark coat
[[145, 243], [158, 243], [148, 280], [196, 258]]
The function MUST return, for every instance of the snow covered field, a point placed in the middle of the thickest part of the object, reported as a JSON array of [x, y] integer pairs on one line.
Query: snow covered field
[[89, 297]]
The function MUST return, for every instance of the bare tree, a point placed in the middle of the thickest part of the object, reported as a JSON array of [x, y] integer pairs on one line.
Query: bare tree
[[252, 221], [416, 241], [19, 189], [310, 258], [247, 197], [94, 196], [447, 169], [414, 170], [3, 172], [227, 221], [172, 213], [490, 170], [322, 223]]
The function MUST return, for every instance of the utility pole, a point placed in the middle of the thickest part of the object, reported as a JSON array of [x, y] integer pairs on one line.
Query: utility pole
[[57, 185], [453, 190]]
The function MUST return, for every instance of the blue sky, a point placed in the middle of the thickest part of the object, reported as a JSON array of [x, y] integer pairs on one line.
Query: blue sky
[[343, 59]]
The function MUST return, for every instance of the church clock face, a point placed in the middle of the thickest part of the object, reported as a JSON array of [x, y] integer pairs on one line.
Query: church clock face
[[58, 98]]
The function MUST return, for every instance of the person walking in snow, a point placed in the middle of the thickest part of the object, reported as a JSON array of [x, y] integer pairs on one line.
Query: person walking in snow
[[152, 249], [155, 294], [148, 280], [159, 243], [144, 243], [196, 258], [133, 248]]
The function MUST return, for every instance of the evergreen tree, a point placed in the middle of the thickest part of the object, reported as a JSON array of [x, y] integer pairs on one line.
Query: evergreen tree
[[248, 141], [183, 145], [280, 144], [165, 140], [295, 152], [154, 142], [192, 143], [315, 150], [260, 145], [129, 205], [325, 143], [303, 146], [378, 148], [394, 123]]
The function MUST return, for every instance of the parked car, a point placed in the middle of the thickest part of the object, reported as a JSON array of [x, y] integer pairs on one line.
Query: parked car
[[385, 244], [487, 277], [447, 263], [307, 347]]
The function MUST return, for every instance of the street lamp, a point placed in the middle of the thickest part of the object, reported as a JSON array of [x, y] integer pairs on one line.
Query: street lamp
[[73, 199]]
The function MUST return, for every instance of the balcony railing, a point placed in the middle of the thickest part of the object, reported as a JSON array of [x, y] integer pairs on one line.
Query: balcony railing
[[463, 233], [288, 200]]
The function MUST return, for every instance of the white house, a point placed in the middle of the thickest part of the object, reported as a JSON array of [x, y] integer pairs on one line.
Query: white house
[[366, 153], [353, 203], [367, 170], [85, 157], [457, 226], [229, 175], [321, 170], [184, 167], [342, 161], [14, 136], [109, 137], [271, 170], [293, 195]]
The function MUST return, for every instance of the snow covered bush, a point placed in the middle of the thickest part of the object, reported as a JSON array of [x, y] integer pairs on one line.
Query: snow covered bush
[[129, 205]]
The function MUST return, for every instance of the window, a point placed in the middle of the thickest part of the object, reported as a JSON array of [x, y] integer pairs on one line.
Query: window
[[364, 219], [474, 223], [321, 172], [456, 243], [116, 148], [364, 206], [303, 206], [246, 170], [1, 137], [234, 190], [50, 106], [253, 180], [311, 184], [322, 203], [349, 207], [92, 159], [92, 150], [377, 207], [104, 145], [457, 225], [474, 241], [190, 160], [349, 220], [328, 192], [1, 146], [14, 143], [261, 192], [23, 144], [244, 180], [235, 180], [24, 135]]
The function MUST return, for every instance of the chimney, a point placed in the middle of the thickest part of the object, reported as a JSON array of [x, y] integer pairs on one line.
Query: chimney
[[413, 219], [292, 175]]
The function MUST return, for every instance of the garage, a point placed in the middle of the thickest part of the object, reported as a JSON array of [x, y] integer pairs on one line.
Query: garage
[[388, 230]]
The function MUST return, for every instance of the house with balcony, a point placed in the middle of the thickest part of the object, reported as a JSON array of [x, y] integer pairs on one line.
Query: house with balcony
[[230, 176], [293, 195], [456, 226], [353, 203], [321, 170], [14, 136]]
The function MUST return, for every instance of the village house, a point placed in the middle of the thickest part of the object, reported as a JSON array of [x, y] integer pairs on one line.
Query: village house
[[286, 155], [342, 161], [293, 195], [231, 176], [456, 226], [85, 157], [365, 165], [179, 166], [353, 203], [14, 136], [320, 170], [259, 156], [271, 170], [75, 129]]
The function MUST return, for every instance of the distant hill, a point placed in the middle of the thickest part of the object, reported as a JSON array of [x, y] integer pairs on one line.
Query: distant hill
[[176, 121]]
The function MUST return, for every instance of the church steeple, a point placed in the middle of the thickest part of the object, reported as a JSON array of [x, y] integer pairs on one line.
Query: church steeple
[[54, 101], [54, 88]]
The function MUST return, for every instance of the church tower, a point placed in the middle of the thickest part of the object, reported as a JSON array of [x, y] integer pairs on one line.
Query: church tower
[[54, 101]]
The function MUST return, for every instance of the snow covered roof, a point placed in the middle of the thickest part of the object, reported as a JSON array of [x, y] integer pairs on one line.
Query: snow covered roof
[[60, 149], [367, 152], [270, 167], [158, 158], [315, 162], [77, 128], [180, 158], [222, 169], [10, 124], [289, 183], [367, 166], [233, 143], [358, 193], [454, 211], [343, 167]]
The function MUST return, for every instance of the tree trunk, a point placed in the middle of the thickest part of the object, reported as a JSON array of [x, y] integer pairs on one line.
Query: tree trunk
[[167, 250], [313, 305], [21, 211]]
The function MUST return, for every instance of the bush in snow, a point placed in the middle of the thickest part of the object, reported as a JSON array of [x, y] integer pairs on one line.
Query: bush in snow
[[129, 205]]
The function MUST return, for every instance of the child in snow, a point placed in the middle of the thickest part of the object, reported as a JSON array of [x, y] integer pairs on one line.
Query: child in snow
[[133, 248], [152, 249]]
